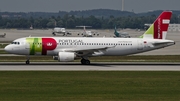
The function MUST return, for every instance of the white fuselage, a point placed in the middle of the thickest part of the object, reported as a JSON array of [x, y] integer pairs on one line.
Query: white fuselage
[[98, 46]]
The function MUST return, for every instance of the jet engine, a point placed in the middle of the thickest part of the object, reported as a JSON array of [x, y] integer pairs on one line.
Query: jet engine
[[65, 57]]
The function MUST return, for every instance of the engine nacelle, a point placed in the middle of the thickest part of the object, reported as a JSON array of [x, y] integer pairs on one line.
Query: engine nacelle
[[66, 56]]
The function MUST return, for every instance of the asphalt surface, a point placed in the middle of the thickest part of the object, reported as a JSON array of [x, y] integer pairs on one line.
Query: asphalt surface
[[97, 66]]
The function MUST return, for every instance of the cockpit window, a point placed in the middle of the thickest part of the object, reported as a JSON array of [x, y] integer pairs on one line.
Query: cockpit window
[[16, 43]]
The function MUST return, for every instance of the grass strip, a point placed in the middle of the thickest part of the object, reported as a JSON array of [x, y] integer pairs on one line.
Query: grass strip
[[89, 86], [3, 52], [3, 45]]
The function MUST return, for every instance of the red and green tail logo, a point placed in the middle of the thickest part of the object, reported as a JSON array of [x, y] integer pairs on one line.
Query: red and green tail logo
[[159, 28]]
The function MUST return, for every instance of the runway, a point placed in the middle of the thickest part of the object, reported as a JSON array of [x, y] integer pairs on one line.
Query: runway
[[97, 66]]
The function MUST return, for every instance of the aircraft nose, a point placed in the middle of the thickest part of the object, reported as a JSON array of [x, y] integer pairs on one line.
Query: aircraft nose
[[8, 49]]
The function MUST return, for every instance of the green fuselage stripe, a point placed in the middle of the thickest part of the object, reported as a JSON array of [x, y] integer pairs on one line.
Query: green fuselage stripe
[[35, 45]]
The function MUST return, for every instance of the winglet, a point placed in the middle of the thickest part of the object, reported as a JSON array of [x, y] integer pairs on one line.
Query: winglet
[[158, 29]]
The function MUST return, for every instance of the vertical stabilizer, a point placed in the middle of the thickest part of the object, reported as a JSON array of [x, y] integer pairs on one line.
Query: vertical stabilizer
[[115, 32], [159, 28]]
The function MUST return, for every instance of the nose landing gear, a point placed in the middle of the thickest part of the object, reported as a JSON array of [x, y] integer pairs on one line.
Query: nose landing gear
[[27, 61]]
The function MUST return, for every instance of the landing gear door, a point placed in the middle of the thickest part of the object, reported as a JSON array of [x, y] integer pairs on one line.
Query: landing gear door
[[140, 45]]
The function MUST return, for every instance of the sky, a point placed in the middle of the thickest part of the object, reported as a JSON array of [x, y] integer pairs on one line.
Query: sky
[[138, 6]]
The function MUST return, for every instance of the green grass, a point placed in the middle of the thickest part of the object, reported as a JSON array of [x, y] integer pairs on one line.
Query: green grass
[[143, 58], [3, 45], [3, 52], [89, 86]]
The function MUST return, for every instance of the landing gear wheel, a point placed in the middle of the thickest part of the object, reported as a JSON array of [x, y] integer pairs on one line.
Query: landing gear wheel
[[54, 34], [85, 62], [27, 62]]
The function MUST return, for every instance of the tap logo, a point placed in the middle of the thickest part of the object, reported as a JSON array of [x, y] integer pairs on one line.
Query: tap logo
[[49, 44], [161, 25], [159, 28]]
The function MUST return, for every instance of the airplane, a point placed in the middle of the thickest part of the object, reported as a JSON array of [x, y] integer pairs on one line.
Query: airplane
[[2, 36], [87, 33], [66, 49], [59, 30], [122, 35]]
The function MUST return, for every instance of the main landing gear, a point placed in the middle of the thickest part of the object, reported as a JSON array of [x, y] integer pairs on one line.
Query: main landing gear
[[27, 61], [53, 33], [85, 61]]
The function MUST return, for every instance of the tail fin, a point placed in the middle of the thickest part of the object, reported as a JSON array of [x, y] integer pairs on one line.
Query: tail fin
[[115, 32], [84, 28], [158, 29]]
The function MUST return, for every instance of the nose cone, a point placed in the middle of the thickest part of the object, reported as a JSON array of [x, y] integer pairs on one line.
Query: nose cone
[[8, 49]]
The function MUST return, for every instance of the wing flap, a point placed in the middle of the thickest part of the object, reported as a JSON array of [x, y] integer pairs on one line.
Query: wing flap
[[88, 51]]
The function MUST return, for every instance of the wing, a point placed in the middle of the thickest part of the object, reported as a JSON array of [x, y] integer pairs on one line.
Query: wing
[[89, 51]]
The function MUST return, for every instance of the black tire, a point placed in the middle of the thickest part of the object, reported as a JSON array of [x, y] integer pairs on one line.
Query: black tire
[[54, 34], [85, 62], [27, 62]]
